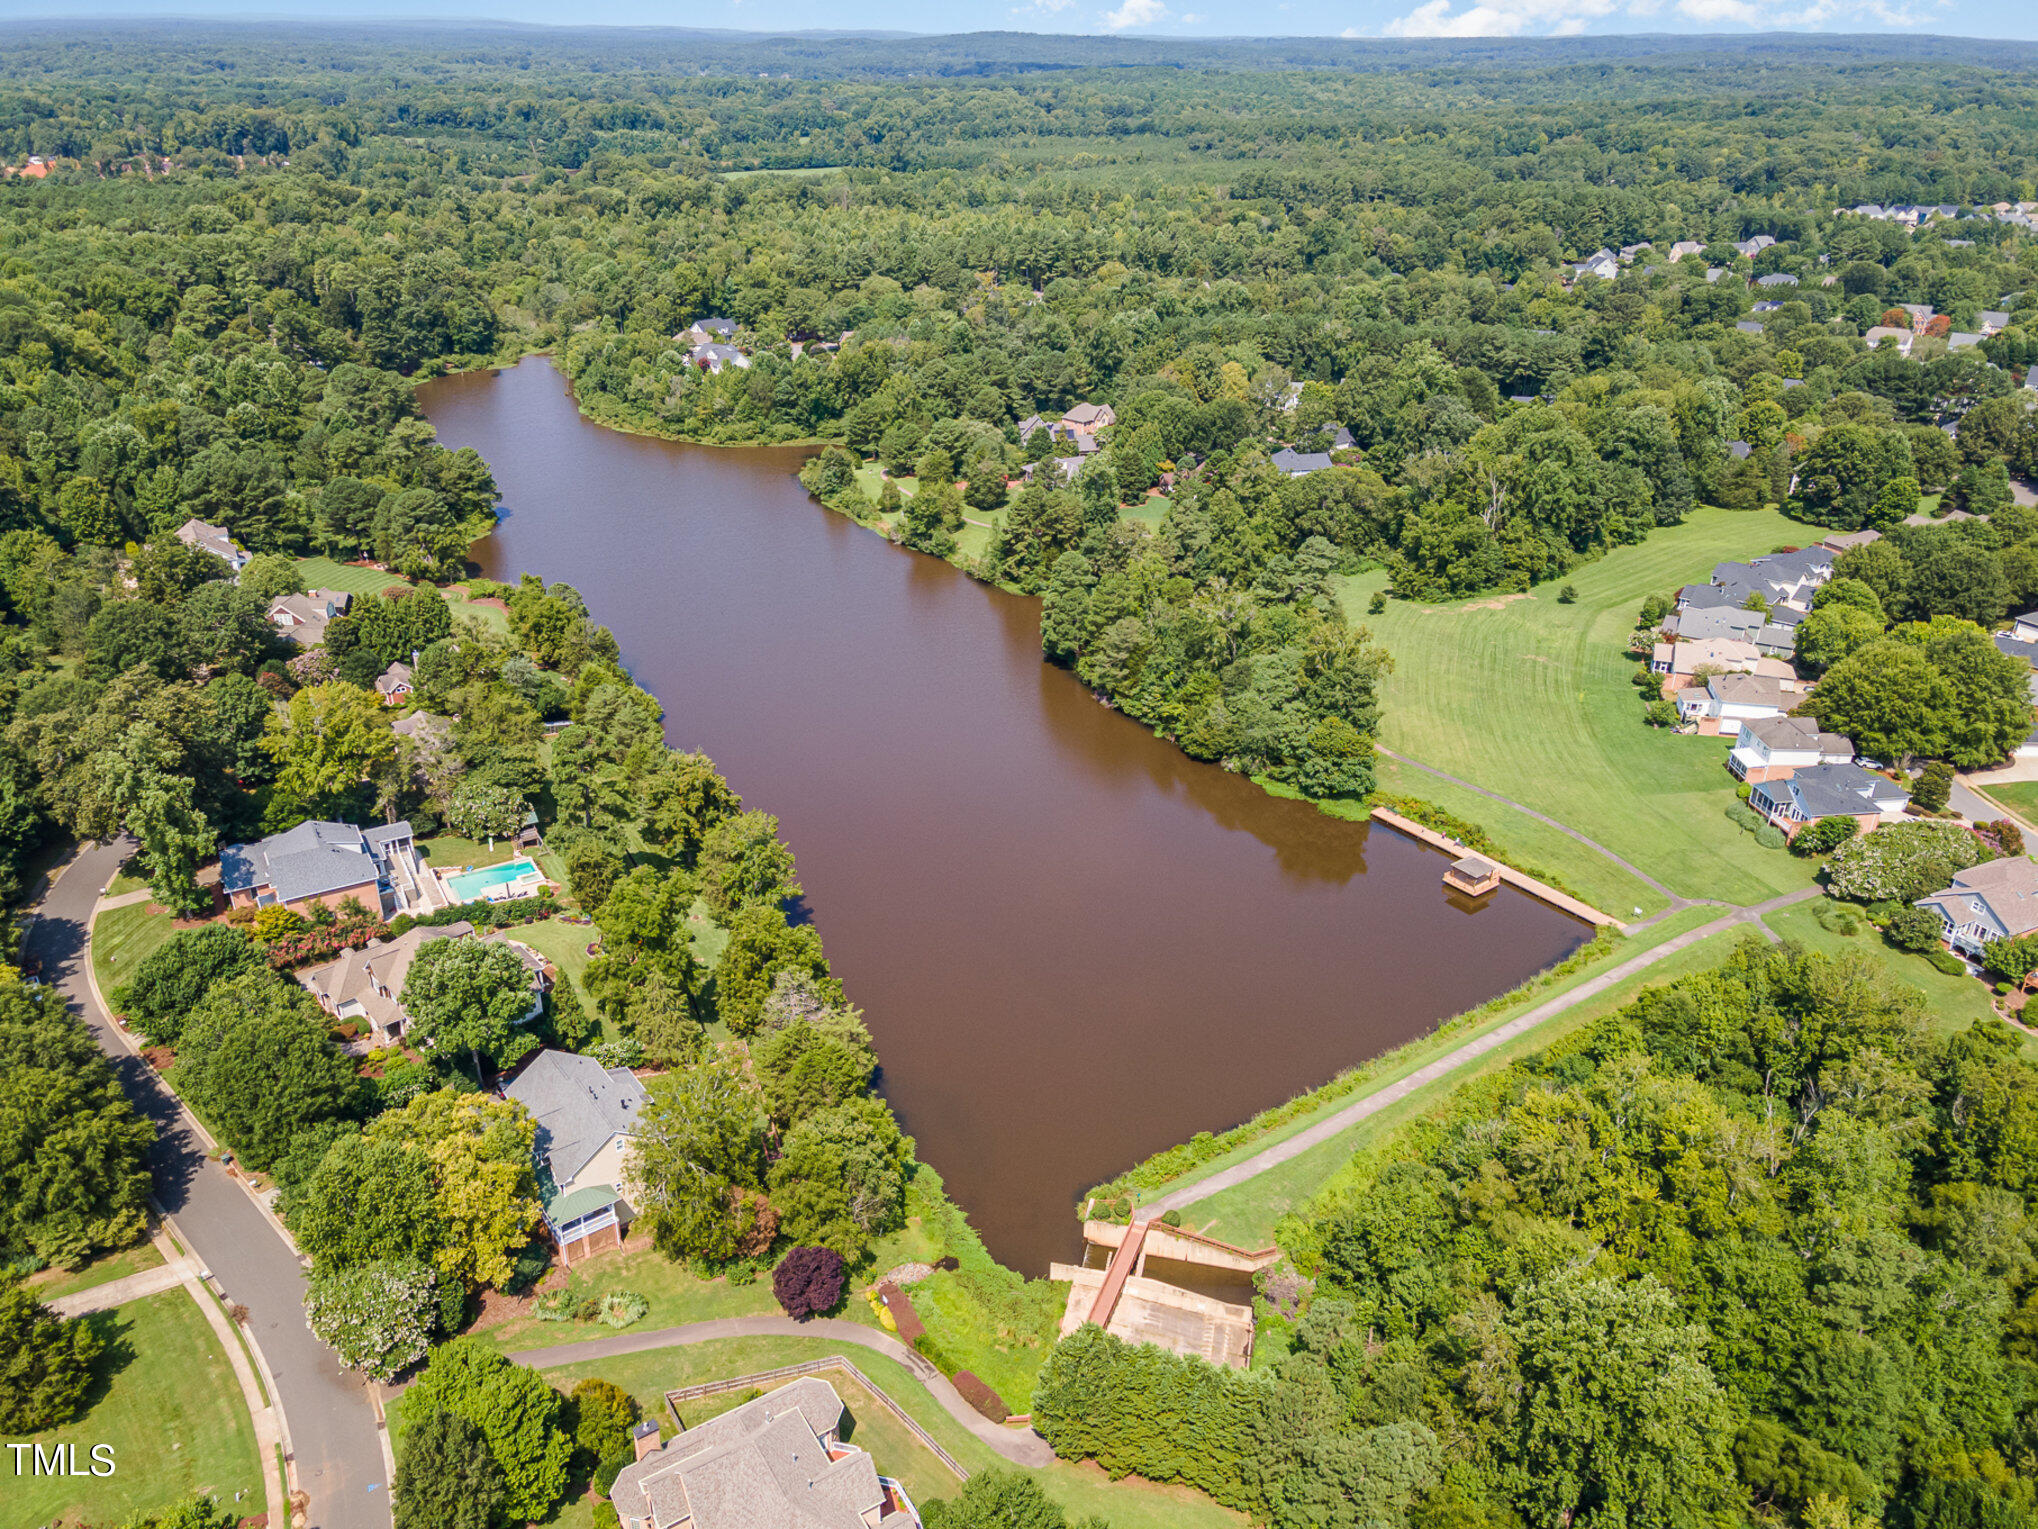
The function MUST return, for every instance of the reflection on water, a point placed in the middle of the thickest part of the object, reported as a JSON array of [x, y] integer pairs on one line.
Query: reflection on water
[[1075, 946]]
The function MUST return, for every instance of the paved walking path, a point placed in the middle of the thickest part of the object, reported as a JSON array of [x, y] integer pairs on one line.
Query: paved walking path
[[1022, 1446], [326, 1421], [1361, 1109], [119, 1292], [1633, 870]]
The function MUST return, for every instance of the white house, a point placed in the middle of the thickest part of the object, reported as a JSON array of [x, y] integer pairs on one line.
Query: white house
[[1882, 334], [216, 540], [1775, 748], [1994, 901], [1726, 702]]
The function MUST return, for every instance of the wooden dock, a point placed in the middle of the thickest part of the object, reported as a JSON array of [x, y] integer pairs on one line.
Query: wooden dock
[[1541, 890]]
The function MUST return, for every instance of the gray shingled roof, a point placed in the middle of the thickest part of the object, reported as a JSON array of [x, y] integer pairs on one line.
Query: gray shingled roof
[[578, 1104], [1301, 461], [2006, 888], [1834, 790], [308, 860]]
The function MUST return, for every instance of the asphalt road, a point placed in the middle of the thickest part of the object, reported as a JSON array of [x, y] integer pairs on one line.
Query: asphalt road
[[326, 1408]]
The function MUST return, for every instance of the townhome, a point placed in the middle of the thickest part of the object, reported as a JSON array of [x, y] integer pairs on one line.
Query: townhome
[[1682, 663], [1776, 748], [1833, 790], [1727, 702], [1997, 900]]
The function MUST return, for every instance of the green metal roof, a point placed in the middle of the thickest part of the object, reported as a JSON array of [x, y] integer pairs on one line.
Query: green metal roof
[[584, 1201]]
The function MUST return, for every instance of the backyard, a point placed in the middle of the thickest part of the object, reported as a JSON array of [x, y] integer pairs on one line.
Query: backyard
[[165, 1397], [1530, 697]]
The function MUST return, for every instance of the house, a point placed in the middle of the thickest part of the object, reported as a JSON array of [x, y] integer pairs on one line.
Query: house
[[322, 862], [1776, 748], [709, 332], [1961, 340], [1091, 417], [1786, 577], [1340, 437], [394, 683], [1842, 790], [1771, 306], [777, 1462], [1601, 265], [1085, 441], [1755, 246], [1921, 314], [213, 539], [1727, 702], [1685, 247], [1297, 464], [367, 984], [1680, 662], [1715, 273], [1063, 468], [587, 1117], [1992, 321], [1028, 425], [1994, 901], [711, 357], [1847, 541], [1771, 638], [424, 730], [1629, 253], [1291, 395], [1740, 451], [1884, 334], [304, 618], [1748, 326], [1776, 279]]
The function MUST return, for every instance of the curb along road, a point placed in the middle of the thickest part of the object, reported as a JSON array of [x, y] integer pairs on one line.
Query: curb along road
[[331, 1426]]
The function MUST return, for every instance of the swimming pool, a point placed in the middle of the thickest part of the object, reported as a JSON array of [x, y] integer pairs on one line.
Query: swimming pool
[[494, 881]]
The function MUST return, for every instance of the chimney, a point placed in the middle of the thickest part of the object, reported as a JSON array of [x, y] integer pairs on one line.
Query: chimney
[[645, 1437]]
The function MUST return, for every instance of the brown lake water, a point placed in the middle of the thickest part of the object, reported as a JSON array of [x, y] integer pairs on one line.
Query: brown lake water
[[1074, 945]]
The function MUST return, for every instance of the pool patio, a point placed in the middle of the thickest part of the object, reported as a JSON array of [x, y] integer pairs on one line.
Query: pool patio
[[492, 883]]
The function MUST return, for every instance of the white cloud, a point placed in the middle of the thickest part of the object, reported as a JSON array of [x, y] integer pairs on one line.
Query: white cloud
[[1136, 13], [1041, 8], [1570, 18], [1500, 18], [1193, 18]]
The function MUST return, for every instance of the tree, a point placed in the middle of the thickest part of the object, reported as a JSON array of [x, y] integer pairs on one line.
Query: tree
[[469, 995], [1841, 476], [1887, 697], [139, 781], [173, 978], [697, 1143], [1902, 862], [1988, 701], [334, 738], [1620, 1422], [602, 1415], [1000, 1499], [813, 1064], [446, 1476], [1933, 787], [808, 1282], [743, 862], [268, 576], [45, 1363], [1917, 929], [517, 1411], [1065, 610], [684, 797], [377, 1317], [74, 1177], [480, 1149], [128, 634], [483, 811], [257, 1065], [761, 945], [1825, 836], [367, 1201], [1831, 633], [840, 1179]]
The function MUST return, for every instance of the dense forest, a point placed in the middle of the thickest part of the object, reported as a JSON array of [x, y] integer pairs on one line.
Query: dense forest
[[1757, 1248]]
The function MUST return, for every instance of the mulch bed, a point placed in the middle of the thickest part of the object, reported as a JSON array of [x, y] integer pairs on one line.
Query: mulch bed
[[159, 1057]]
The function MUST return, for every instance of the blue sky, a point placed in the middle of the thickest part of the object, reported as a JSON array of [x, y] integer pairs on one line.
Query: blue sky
[[1182, 18]]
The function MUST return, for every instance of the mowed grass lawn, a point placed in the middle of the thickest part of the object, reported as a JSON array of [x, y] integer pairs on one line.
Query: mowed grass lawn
[[1533, 699], [325, 573], [2020, 797], [1081, 1490], [122, 938], [49, 1284], [165, 1397]]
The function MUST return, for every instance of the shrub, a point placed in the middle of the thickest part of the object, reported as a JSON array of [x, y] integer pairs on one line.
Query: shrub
[[1769, 836], [619, 1308], [1171, 1218], [981, 1396], [601, 1415], [1904, 862], [2009, 837], [1741, 815], [1568, 595], [1934, 786], [605, 1515], [1825, 836], [1914, 929], [46, 1371], [809, 1281], [1660, 714], [377, 1317], [1947, 962], [1378, 604], [562, 1305]]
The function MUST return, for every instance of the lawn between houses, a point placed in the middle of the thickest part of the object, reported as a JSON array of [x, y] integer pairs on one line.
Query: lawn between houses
[[165, 1397], [1533, 699]]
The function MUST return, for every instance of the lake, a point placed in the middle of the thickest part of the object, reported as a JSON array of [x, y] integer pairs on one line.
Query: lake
[[1074, 945]]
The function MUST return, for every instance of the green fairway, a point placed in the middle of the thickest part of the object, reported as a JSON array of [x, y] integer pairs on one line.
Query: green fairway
[[324, 573], [1532, 698], [165, 1398], [122, 937]]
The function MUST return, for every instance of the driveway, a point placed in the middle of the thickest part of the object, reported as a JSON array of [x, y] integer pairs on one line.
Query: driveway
[[328, 1417]]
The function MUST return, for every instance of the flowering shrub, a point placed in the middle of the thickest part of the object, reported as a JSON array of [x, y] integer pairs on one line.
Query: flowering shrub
[[323, 943], [377, 1317], [1904, 861]]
